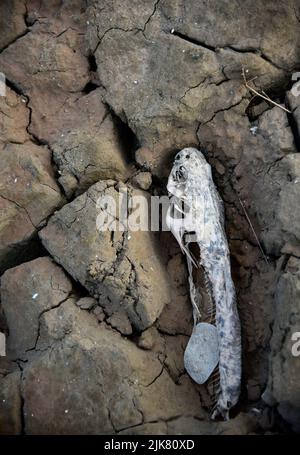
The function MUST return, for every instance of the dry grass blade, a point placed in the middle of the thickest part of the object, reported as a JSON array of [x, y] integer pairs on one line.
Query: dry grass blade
[[253, 230]]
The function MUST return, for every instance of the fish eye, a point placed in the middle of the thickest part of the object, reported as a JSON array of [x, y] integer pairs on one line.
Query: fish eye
[[177, 157], [187, 156]]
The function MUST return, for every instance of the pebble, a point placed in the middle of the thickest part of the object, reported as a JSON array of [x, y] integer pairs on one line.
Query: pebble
[[202, 352], [143, 180]]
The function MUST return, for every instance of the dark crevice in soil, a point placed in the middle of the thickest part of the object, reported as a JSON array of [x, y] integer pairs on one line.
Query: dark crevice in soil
[[294, 128], [94, 82], [135, 30], [256, 51], [42, 142], [158, 186], [92, 63], [47, 310], [30, 250], [19, 91], [22, 416], [29, 21], [90, 87], [256, 102], [3, 325], [16, 39], [193, 41], [127, 138], [278, 94], [15, 87], [222, 110], [78, 290]]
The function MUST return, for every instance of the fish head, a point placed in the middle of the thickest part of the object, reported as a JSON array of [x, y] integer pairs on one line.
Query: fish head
[[189, 167]]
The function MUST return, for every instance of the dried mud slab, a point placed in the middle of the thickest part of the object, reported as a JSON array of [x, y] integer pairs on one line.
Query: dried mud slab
[[168, 68], [122, 269]]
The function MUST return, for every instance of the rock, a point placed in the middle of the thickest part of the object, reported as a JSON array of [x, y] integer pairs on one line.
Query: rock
[[14, 118], [127, 392], [10, 404], [123, 272], [86, 303], [256, 110], [55, 16], [99, 313], [28, 191], [266, 167], [294, 103], [242, 424], [157, 402], [44, 286], [89, 149], [287, 218], [147, 339], [144, 156], [28, 195], [200, 62], [120, 321], [174, 355], [49, 66], [176, 318], [12, 23], [202, 352], [143, 180], [283, 383]]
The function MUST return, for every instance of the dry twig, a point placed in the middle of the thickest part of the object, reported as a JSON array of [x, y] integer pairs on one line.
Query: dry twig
[[261, 95], [253, 230]]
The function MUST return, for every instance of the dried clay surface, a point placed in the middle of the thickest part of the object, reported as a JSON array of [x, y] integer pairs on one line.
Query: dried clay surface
[[100, 96]]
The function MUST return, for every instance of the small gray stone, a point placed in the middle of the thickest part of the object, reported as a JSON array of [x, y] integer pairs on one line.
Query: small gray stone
[[119, 320], [202, 352], [86, 303], [143, 180], [99, 313]]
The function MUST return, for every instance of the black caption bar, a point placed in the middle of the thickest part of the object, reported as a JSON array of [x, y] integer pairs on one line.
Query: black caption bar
[[147, 444]]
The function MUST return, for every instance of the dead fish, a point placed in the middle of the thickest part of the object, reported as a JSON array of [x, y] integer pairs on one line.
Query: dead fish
[[195, 217]]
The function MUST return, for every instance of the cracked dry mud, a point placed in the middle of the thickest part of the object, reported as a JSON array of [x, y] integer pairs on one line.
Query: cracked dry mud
[[100, 96]]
